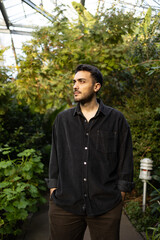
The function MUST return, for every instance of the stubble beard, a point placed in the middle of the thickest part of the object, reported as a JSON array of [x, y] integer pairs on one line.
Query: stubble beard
[[87, 99]]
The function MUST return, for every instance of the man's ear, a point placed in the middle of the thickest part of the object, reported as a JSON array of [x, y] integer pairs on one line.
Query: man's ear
[[97, 86]]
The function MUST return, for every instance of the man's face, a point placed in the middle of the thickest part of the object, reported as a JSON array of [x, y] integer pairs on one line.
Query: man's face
[[85, 87]]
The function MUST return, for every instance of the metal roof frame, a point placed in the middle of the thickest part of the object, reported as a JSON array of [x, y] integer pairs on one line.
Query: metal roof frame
[[9, 24], [38, 9]]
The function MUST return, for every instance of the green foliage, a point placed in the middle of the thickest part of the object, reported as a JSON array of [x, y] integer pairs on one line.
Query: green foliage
[[20, 189], [141, 103], [156, 192], [155, 233], [21, 129], [139, 219], [149, 221], [6, 87], [46, 70]]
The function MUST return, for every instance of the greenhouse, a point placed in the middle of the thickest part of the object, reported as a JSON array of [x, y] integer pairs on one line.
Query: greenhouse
[[41, 45]]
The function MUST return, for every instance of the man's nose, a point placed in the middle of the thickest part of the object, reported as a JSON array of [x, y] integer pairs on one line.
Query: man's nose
[[75, 86]]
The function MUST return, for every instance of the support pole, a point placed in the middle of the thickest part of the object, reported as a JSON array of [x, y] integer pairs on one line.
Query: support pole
[[144, 195], [83, 2], [8, 24]]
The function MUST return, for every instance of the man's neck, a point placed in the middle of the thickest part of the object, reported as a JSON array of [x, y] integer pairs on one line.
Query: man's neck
[[89, 109]]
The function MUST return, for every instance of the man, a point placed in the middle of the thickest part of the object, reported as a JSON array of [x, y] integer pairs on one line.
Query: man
[[91, 164]]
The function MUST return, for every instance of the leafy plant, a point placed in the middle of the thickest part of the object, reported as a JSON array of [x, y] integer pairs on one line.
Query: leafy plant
[[155, 206], [149, 221], [156, 192], [155, 233], [140, 220], [49, 60], [20, 189]]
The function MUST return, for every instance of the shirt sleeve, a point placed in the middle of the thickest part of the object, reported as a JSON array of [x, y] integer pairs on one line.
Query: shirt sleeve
[[125, 152], [53, 163]]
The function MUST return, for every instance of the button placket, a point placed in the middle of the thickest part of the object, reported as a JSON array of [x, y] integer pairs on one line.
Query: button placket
[[85, 161]]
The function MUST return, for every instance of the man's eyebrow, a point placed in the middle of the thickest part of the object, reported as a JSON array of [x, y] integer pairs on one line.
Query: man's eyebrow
[[79, 79]]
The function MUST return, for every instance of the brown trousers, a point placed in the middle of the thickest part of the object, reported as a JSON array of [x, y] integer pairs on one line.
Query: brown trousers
[[67, 226]]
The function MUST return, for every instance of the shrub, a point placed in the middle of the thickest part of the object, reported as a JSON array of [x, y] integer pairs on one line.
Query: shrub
[[140, 220], [20, 189]]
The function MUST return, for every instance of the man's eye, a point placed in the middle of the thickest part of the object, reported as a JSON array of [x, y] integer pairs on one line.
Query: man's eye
[[82, 81]]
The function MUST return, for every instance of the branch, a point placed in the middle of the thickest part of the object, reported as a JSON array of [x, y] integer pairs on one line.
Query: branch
[[78, 38], [148, 61]]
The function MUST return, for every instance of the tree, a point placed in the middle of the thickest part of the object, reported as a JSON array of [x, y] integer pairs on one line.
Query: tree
[[47, 68], [142, 106]]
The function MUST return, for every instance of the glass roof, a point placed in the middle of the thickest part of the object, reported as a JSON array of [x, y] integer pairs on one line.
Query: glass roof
[[19, 17]]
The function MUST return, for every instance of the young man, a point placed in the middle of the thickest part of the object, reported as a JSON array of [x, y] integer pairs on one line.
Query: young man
[[91, 165]]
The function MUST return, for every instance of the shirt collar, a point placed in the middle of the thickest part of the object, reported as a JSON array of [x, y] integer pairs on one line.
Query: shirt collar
[[100, 109]]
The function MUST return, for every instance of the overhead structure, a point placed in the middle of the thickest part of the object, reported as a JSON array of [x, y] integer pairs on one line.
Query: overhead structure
[[6, 19], [5, 6], [14, 11], [15, 16], [4, 13], [18, 18], [38, 9]]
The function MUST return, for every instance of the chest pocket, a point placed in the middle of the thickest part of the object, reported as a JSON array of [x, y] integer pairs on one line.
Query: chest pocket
[[106, 141]]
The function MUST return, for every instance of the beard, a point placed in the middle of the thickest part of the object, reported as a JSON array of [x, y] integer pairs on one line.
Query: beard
[[86, 99]]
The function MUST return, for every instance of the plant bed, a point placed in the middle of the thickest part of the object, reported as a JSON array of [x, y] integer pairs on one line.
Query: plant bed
[[21, 187], [146, 223]]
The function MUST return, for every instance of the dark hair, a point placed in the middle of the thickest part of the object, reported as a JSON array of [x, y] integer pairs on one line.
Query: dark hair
[[95, 72]]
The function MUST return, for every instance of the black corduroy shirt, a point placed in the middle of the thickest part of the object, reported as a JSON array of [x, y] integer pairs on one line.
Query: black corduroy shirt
[[91, 162]]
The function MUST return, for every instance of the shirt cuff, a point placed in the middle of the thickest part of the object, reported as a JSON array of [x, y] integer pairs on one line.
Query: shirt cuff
[[125, 186], [51, 183]]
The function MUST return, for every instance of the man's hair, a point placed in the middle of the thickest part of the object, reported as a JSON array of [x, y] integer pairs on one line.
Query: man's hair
[[95, 72]]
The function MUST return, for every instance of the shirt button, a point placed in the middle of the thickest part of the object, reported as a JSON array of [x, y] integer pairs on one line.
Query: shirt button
[[87, 134], [85, 195], [85, 163], [85, 179], [84, 207], [86, 148], [85, 120]]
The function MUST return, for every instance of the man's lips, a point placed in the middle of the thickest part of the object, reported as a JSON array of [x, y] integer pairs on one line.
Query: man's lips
[[76, 93]]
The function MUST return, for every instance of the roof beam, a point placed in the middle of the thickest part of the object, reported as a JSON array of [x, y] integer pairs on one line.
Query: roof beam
[[44, 13], [8, 24], [21, 32], [4, 13], [6, 31]]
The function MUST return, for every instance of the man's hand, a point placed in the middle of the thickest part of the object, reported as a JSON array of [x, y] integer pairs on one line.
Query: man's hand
[[52, 190], [123, 195]]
